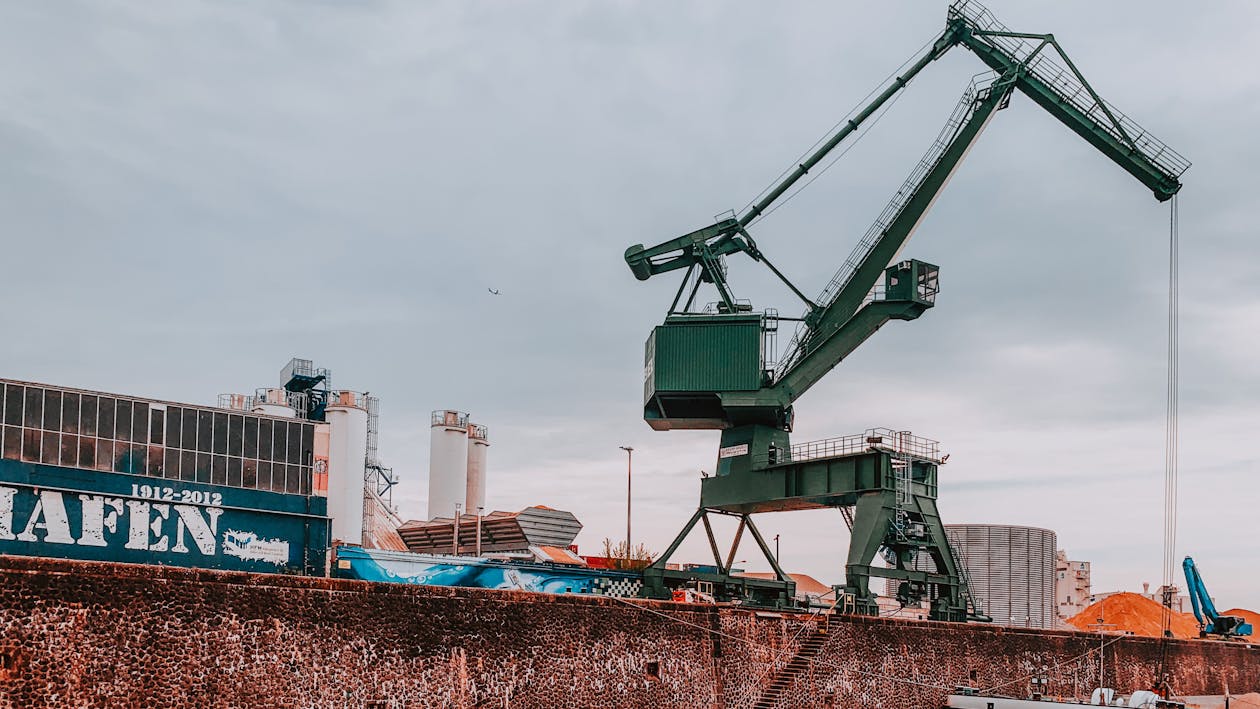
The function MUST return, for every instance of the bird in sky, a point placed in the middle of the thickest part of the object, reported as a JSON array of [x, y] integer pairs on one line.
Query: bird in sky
[[493, 291]]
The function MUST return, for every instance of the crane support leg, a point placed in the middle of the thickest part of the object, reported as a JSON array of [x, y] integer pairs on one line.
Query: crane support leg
[[907, 532], [659, 582]]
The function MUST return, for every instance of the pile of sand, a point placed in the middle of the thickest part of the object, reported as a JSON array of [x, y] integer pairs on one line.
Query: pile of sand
[[1133, 613]]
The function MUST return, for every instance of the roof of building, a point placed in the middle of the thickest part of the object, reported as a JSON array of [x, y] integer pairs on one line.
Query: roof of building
[[557, 555], [500, 531]]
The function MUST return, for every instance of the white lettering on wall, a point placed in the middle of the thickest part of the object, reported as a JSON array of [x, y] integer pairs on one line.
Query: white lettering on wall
[[6, 513], [97, 519], [203, 532], [49, 515], [141, 527]]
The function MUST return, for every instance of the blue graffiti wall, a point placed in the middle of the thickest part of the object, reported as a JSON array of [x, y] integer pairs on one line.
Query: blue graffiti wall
[[472, 572]]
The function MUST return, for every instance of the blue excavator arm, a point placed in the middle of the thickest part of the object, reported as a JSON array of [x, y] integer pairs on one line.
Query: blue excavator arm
[[1210, 622]]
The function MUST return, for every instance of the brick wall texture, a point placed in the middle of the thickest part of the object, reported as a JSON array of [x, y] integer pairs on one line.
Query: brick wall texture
[[83, 634]]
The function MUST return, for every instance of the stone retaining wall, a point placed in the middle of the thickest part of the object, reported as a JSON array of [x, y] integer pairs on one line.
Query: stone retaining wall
[[95, 634]]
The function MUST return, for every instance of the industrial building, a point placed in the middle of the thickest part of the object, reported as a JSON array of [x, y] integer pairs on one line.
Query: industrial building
[[1072, 586], [360, 504], [100, 476]]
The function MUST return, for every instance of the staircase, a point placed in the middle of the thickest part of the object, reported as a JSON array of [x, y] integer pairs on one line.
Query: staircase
[[773, 694]]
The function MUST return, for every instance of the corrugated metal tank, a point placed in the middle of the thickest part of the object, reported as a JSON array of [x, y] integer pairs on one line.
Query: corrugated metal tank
[[1011, 569], [347, 454], [478, 447], [448, 463]]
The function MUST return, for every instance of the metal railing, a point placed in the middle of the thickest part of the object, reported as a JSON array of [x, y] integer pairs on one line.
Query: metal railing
[[1065, 83], [273, 396], [453, 419], [901, 443], [304, 368]]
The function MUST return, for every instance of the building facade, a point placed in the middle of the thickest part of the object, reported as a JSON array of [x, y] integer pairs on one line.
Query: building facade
[[92, 475], [1072, 586]]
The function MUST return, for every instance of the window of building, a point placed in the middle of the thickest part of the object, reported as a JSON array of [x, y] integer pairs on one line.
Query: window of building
[[52, 410], [205, 431], [13, 405], [98, 432], [70, 413], [220, 433], [157, 426], [87, 415], [122, 420], [34, 408], [105, 419]]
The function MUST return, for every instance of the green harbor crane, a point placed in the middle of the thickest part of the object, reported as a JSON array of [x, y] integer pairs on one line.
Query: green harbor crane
[[711, 367]]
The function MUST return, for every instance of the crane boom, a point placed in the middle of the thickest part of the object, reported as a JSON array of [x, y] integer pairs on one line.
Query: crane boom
[[824, 346]]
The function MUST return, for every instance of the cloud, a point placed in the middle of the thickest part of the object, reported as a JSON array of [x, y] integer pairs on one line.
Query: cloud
[[194, 193]]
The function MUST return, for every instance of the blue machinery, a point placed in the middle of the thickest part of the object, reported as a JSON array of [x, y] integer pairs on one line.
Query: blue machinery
[[1210, 622]]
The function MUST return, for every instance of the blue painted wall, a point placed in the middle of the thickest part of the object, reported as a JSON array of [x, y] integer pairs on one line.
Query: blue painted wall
[[74, 513], [472, 572]]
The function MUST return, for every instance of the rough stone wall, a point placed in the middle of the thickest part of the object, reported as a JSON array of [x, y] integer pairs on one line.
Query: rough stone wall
[[852, 668], [87, 634]]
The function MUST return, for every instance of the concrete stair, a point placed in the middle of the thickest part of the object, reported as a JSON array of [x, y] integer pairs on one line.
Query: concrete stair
[[772, 695]]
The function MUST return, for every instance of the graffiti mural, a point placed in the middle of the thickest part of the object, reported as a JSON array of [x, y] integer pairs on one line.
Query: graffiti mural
[[472, 572]]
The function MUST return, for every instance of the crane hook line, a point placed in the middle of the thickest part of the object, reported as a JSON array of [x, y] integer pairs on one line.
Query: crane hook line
[[840, 122], [1171, 424]]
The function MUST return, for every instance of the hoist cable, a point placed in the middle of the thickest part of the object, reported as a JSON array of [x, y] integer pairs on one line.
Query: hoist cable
[[1171, 430], [831, 131], [856, 139]]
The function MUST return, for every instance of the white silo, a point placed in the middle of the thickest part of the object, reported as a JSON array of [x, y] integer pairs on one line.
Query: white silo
[[347, 455], [478, 446], [448, 462]]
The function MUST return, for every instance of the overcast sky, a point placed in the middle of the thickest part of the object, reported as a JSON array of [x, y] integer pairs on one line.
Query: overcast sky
[[194, 192]]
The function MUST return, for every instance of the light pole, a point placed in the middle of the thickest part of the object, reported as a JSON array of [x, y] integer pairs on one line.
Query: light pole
[[455, 531], [629, 458], [776, 548], [479, 512]]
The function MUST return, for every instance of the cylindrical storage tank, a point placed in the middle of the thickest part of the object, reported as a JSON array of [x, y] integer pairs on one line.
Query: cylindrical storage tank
[[273, 402], [347, 455], [448, 462], [478, 447], [1010, 570]]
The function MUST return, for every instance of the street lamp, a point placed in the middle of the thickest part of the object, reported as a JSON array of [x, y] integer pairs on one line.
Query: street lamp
[[776, 548], [480, 510], [455, 531], [629, 457]]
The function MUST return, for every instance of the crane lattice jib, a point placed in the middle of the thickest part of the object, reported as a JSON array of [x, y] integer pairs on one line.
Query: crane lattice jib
[[1041, 70], [1053, 81]]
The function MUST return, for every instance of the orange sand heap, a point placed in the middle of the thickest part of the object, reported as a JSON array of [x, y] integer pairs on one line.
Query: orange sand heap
[[1133, 613]]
